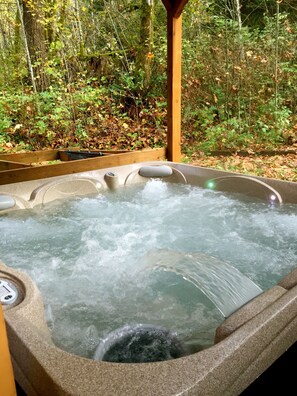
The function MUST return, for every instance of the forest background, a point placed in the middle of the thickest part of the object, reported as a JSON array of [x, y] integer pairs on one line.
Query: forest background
[[92, 74]]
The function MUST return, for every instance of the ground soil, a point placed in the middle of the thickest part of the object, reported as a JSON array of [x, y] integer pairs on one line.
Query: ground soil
[[280, 165]]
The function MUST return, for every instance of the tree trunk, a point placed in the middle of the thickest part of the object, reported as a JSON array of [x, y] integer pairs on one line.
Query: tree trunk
[[79, 27], [146, 42], [35, 36], [237, 11]]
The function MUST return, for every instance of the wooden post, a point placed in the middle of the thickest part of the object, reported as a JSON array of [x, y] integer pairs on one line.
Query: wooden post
[[7, 384], [174, 48]]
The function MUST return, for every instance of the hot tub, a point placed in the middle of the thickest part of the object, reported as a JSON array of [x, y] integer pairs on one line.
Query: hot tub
[[246, 342]]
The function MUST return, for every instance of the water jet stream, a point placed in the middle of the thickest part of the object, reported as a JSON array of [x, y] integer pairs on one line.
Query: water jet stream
[[222, 283]]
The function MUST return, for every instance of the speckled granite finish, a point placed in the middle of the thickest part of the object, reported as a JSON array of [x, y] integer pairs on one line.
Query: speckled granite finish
[[38, 192], [289, 281], [247, 312], [247, 342]]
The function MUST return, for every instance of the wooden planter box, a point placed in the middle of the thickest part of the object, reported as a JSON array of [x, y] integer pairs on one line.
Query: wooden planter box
[[34, 165]]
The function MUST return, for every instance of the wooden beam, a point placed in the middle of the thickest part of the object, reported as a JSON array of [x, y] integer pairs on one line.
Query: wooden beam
[[32, 156], [7, 383], [167, 4], [5, 165], [70, 167], [175, 6], [178, 7], [174, 47], [46, 155]]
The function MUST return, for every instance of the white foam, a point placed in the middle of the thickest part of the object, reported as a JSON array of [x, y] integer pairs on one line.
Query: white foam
[[88, 256]]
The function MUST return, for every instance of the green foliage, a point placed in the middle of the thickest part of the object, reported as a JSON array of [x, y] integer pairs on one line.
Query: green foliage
[[238, 84], [86, 116]]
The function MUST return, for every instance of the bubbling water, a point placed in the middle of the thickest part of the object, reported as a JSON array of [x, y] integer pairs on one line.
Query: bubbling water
[[138, 256]]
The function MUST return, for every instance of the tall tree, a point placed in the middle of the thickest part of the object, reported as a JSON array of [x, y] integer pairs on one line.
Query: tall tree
[[36, 40], [146, 41]]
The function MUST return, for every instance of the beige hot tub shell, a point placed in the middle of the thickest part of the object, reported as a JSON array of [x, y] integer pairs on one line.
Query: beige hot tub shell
[[246, 343]]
